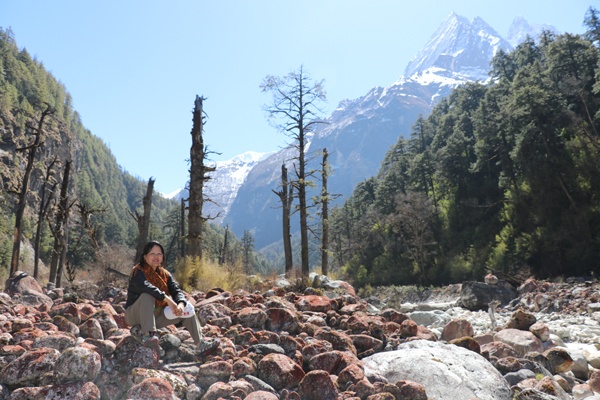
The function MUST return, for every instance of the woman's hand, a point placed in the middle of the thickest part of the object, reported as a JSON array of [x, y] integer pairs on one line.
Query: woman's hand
[[177, 308]]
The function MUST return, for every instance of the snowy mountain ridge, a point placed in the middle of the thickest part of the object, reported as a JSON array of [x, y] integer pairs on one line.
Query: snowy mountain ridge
[[224, 183]]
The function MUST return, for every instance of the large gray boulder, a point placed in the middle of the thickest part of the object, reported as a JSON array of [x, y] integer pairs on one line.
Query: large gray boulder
[[477, 295], [446, 371]]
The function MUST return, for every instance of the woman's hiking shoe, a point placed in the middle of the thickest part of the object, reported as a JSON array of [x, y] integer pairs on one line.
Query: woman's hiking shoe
[[151, 341], [136, 331], [206, 346]]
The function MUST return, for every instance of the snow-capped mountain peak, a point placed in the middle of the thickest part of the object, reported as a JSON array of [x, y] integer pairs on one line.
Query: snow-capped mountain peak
[[459, 46], [224, 183], [521, 28]]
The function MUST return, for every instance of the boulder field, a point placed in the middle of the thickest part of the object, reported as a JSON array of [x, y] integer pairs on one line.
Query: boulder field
[[324, 343]]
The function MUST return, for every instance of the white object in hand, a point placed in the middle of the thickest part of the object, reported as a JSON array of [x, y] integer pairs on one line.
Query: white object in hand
[[188, 312]]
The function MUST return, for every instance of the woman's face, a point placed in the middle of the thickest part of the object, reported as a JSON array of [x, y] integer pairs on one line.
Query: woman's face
[[154, 258]]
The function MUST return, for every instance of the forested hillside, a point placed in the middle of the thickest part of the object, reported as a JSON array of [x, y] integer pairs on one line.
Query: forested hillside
[[500, 177], [102, 194]]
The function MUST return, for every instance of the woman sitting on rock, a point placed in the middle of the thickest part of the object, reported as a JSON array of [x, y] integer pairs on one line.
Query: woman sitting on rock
[[151, 289]]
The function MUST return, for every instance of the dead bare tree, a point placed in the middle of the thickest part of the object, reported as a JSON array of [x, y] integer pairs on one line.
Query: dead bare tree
[[182, 229], [47, 194], [324, 215], [198, 177], [286, 196], [60, 229], [295, 103], [143, 220], [22, 202]]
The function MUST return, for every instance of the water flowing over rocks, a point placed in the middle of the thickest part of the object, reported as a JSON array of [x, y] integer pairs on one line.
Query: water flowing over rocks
[[535, 341]]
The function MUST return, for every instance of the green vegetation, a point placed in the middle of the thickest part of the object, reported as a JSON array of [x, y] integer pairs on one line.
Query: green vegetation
[[503, 176]]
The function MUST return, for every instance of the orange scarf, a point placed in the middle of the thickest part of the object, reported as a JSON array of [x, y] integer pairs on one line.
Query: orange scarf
[[158, 278]]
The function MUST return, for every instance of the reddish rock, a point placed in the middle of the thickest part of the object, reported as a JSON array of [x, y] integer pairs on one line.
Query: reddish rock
[[559, 360], [382, 396], [251, 317], [212, 372], [70, 391], [68, 310], [411, 391], [29, 334], [86, 310], [521, 341], [332, 361], [364, 388], [21, 283], [57, 340], [425, 334], [317, 385], [314, 303], [19, 324], [366, 342], [282, 319], [350, 309], [390, 328], [261, 395], [521, 320], [507, 364], [130, 354], [594, 381], [408, 328], [151, 389], [279, 371], [106, 320], [339, 340], [12, 350], [91, 328], [28, 369], [468, 343], [315, 347], [65, 325], [77, 364], [540, 330], [393, 316], [358, 324], [351, 374], [457, 328], [498, 350], [530, 285], [244, 366]]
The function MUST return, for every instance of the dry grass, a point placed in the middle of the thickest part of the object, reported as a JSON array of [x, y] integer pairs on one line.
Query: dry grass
[[105, 271], [194, 274]]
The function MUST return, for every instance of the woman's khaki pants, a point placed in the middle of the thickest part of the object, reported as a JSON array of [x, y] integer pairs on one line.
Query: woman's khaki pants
[[142, 313]]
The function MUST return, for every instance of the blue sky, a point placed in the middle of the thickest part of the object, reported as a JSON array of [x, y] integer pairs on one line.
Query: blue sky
[[134, 67]]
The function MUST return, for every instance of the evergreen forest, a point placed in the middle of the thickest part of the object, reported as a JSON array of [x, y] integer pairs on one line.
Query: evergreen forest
[[501, 177]]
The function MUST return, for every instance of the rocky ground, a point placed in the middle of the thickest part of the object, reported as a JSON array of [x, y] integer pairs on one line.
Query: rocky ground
[[479, 340]]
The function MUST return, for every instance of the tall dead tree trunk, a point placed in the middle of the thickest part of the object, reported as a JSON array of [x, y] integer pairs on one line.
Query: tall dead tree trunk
[[198, 176], [324, 216], [224, 247], [286, 195], [59, 230], [143, 221], [46, 197], [182, 230], [32, 150]]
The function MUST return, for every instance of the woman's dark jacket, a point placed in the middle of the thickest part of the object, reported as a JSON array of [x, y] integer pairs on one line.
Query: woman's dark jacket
[[138, 285]]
